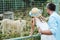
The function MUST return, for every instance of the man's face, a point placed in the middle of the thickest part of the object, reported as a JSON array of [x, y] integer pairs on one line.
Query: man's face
[[48, 11]]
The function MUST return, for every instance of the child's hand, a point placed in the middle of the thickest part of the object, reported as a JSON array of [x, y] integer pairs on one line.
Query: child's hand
[[30, 34]]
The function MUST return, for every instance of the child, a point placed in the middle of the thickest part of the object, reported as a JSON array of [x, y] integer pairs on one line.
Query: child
[[40, 23]]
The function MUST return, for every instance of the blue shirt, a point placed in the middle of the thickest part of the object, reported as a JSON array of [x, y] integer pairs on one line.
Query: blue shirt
[[54, 24]]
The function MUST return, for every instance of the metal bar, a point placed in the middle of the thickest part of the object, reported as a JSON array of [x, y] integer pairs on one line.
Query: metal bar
[[57, 5], [26, 37]]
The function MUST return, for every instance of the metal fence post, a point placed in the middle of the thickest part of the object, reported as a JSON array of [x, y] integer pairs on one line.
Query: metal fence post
[[57, 5]]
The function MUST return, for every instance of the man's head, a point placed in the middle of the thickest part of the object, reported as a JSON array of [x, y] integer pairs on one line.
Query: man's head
[[51, 7]]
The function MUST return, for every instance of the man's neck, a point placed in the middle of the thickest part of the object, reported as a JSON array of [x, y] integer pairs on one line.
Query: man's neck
[[51, 12]]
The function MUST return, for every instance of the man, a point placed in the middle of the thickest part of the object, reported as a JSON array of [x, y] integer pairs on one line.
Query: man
[[53, 22]]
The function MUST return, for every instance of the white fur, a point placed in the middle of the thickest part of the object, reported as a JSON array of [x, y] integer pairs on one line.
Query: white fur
[[14, 25]]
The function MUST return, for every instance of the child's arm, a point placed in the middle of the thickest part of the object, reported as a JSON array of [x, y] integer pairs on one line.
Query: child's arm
[[32, 26]]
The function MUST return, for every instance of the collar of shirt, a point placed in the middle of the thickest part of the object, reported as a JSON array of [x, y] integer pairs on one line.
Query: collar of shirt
[[53, 14]]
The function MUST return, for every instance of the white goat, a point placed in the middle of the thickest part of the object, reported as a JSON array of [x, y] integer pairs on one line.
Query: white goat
[[13, 25]]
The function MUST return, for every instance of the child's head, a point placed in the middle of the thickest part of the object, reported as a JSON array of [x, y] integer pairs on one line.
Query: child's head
[[35, 12]]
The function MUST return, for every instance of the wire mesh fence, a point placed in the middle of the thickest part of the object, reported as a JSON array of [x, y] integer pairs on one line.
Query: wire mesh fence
[[11, 5]]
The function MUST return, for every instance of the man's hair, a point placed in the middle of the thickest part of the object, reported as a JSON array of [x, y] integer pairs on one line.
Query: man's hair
[[51, 6]]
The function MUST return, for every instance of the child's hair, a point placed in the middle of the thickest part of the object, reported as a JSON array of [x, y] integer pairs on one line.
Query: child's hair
[[42, 19]]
